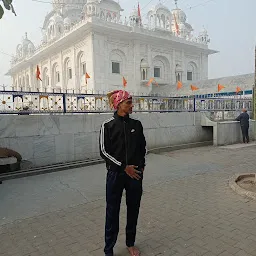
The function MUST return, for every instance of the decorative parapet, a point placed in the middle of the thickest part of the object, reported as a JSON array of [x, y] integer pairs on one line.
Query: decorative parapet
[[201, 40]]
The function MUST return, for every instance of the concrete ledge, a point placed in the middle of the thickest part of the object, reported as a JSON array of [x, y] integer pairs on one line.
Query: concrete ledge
[[48, 169], [181, 146], [8, 160], [240, 191]]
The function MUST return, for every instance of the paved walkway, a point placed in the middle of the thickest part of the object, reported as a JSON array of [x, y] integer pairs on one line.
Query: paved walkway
[[187, 209]]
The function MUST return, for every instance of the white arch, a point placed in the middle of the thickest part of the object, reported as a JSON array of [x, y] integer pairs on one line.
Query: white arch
[[55, 77], [163, 63], [68, 71], [45, 78], [118, 56], [27, 81], [192, 71], [81, 68]]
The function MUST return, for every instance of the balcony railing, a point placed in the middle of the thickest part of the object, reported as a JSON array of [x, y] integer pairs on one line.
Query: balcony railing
[[16, 102]]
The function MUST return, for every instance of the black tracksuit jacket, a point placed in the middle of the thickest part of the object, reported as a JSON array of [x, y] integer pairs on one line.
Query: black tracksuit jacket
[[122, 143]]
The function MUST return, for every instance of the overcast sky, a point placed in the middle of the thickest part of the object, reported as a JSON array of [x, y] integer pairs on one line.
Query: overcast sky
[[230, 24]]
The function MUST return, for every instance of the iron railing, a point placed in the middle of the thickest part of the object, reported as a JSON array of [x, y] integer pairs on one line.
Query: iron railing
[[17, 102]]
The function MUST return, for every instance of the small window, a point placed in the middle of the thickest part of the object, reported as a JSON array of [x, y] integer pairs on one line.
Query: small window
[[156, 72], [178, 77], [143, 74], [48, 81], [58, 77], [189, 76], [70, 73], [84, 68], [115, 67]]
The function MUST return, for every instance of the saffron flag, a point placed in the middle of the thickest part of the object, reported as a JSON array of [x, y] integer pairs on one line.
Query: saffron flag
[[86, 77], [176, 26], [150, 81], [238, 89], [124, 82], [179, 85], [220, 87], [139, 13], [38, 73], [193, 87]]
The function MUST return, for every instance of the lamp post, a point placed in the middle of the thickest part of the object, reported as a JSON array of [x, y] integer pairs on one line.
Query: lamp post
[[254, 86]]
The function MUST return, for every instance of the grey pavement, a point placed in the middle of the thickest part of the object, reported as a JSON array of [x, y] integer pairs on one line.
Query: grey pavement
[[187, 208]]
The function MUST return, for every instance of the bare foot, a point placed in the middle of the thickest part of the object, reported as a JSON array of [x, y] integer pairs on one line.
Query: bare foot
[[133, 251]]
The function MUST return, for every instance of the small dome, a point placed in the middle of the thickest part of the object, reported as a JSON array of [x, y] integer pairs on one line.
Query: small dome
[[26, 47], [31, 47], [161, 6], [26, 42], [110, 5]]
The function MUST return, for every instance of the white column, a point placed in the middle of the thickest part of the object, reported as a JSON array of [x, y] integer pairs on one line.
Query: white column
[[173, 67], [184, 69], [62, 74]]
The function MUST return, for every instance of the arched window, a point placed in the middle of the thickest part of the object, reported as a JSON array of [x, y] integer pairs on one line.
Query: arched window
[[161, 68], [68, 70], [81, 64], [162, 21], [109, 18], [45, 79], [27, 81], [144, 68], [55, 74], [116, 62], [102, 15], [158, 23], [178, 73], [191, 71], [23, 82], [152, 21]]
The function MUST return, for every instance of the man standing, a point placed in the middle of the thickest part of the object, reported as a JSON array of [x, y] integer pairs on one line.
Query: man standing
[[243, 118], [123, 147]]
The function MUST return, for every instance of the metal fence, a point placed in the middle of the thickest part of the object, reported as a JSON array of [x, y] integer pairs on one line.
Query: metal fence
[[16, 102]]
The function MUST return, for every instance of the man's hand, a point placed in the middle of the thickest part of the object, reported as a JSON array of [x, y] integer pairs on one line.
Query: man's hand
[[132, 172]]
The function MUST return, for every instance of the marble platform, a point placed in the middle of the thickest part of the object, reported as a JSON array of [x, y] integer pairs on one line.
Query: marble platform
[[49, 139]]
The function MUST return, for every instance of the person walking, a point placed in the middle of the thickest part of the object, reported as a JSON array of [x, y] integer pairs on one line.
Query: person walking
[[243, 118], [123, 147]]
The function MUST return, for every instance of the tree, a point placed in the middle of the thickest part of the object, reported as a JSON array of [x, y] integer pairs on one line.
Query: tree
[[7, 5]]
